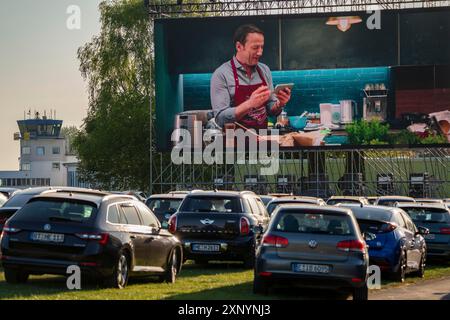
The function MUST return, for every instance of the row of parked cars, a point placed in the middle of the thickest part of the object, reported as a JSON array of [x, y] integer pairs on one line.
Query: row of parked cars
[[283, 238]]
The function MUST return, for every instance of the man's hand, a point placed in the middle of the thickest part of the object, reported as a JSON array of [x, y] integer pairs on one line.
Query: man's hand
[[259, 97], [284, 96]]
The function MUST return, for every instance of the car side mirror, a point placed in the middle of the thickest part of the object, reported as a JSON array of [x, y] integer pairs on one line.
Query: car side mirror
[[258, 229], [369, 236], [423, 231]]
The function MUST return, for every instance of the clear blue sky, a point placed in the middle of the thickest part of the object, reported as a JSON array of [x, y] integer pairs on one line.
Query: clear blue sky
[[39, 66]]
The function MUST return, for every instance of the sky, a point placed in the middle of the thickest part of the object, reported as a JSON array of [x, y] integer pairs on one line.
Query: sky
[[39, 69]]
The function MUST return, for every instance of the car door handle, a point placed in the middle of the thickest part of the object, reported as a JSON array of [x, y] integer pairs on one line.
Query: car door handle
[[132, 237]]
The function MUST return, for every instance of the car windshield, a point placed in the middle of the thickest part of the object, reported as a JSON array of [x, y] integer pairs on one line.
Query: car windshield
[[316, 223], [18, 200], [430, 215], [212, 204], [163, 206], [57, 210]]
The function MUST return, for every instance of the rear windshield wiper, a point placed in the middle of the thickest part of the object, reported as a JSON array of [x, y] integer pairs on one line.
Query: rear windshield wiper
[[64, 219]]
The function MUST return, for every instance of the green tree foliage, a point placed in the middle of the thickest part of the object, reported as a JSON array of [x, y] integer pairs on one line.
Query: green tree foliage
[[113, 144]]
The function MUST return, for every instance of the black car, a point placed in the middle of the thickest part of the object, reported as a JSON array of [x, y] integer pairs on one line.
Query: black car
[[220, 225], [110, 237]]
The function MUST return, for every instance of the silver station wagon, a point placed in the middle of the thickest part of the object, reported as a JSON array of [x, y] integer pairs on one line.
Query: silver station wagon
[[313, 246]]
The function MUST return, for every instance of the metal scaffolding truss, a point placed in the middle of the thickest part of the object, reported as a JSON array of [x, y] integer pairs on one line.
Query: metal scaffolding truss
[[417, 172], [189, 8]]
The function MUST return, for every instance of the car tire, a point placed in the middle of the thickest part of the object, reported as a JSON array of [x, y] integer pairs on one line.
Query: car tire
[[400, 274], [260, 285], [172, 268], [120, 273], [361, 294], [15, 276]]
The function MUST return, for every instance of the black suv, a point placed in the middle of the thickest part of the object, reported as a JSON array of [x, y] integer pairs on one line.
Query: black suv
[[110, 237], [220, 225]]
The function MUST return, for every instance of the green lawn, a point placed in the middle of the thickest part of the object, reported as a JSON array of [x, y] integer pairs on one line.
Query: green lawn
[[215, 281]]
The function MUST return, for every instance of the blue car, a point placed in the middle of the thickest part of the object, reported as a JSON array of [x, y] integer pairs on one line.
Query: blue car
[[396, 245]]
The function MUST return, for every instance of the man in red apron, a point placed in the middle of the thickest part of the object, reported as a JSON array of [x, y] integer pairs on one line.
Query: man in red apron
[[241, 89]]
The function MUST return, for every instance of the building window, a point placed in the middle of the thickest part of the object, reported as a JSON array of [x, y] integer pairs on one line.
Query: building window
[[26, 150], [56, 150], [26, 167], [40, 151], [56, 166]]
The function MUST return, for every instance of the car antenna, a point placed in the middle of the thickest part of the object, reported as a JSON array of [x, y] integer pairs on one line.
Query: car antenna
[[362, 205]]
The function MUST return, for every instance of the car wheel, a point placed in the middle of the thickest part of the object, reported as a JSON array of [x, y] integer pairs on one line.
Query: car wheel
[[260, 285], [172, 268], [15, 276], [400, 274], [361, 294], [120, 274]]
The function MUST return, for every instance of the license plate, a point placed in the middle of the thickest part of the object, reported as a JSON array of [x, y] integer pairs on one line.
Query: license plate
[[430, 236], [47, 237], [206, 247], [312, 268]]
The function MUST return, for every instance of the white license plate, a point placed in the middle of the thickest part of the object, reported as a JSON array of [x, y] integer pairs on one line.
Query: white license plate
[[47, 237], [205, 247], [312, 268], [430, 236]]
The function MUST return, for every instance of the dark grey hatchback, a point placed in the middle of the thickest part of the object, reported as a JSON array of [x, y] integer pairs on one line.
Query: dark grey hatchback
[[110, 237], [313, 246]]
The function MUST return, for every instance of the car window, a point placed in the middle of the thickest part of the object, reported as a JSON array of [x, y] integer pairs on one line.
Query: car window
[[398, 219], [148, 218], [428, 215], [409, 224], [316, 223], [163, 206], [254, 206], [332, 202], [261, 207], [113, 214], [56, 209], [18, 200], [131, 214], [212, 204]]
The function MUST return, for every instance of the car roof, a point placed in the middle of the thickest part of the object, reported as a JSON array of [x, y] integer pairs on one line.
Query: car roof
[[94, 196], [366, 206], [394, 197], [422, 205], [346, 197], [295, 198], [168, 196], [220, 193]]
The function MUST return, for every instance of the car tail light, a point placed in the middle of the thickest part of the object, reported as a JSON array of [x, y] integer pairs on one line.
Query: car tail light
[[351, 245], [10, 230], [270, 240], [265, 274], [102, 238], [244, 226], [173, 224], [445, 230]]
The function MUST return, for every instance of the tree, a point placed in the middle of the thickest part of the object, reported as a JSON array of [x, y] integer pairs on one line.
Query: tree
[[113, 143], [69, 133]]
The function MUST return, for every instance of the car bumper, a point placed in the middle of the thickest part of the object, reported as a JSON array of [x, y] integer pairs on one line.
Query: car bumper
[[229, 249], [57, 267], [347, 274], [441, 250]]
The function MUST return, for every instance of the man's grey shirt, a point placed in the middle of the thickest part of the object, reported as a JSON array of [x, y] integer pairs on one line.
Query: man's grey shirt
[[223, 89]]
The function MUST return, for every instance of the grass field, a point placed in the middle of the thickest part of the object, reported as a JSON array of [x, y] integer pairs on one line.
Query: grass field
[[215, 281]]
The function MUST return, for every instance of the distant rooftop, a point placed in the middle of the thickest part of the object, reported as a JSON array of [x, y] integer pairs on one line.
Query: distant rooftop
[[39, 127]]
